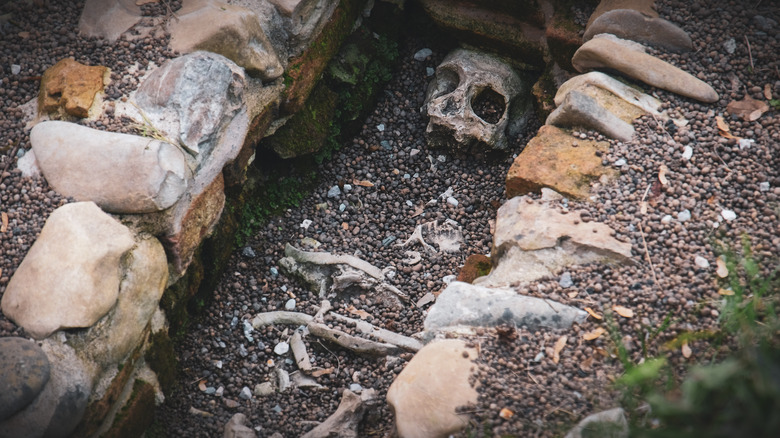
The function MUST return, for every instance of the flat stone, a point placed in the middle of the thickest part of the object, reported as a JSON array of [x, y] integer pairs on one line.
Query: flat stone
[[24, 371], [463, 304], [534, 240], [633, 25], [108, 18], [644, 7], [121, 173], [70, 277], [608, 51], [611, 423], [70, 87], [552, 160], [237, 427], [425, 395], [581, 110], [232, 31], [586, 83]]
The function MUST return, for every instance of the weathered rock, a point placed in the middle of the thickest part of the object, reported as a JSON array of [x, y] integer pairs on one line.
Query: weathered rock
[[586, 83], [108, 18], [466, 305], [192, 100], [137, 412], [229, 30], [70, 87], [303, 20], [644, 7], [70, 277], [557, 160], [121, 173], [563, 38], [534, 240], [56, 411], [607, 424], [28, 165], [578, 109], [236, 428], [627, 57], [24, 371], [462, 79], [633, 25], [431, 387]]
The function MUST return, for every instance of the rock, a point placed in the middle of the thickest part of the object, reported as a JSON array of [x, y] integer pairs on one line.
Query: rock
[[534, 240], [121, 173], [426, 394], [69, 88], [633, 25], [463, 304], [246, 393], [644, 7], [237, 428], [192, 100], [580, 110], [608, 51], [28, 165], [606, 424], [463, 79], [588, 84], [303, 20], [57, 410], [229, 30], [422, 54], [264, 389], [551, 160], [108, 18], [70, 278], [24, 371]]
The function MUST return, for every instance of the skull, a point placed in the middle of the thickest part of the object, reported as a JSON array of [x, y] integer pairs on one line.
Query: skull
[[467, 81]]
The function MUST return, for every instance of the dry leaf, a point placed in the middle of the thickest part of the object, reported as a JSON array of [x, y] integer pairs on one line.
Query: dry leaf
[[727, 292], [747, 109], [722, 125], [361, 313], [321, 372], [643, 207], [559, 344], [362, 183], [586, 364], [594, 334], [573, 294], [506, 414], [686, 350], [625, 312], [592, 313], [344, 226], [202, 385], [662, 174], [722, 270], [418, 211], [4, 225], [768, 92], [712, 200]]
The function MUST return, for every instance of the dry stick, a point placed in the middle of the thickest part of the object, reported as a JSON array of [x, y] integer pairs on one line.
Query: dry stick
[[647, 254], [338, 362], [750, 54]]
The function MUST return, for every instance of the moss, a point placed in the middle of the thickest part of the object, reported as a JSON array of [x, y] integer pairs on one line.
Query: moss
[[161, 358], [136, 415], [308, 129], [475, 266]]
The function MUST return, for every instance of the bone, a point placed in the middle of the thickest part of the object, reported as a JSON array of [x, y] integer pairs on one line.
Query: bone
[[416, 237], [344, 422], [352, 343], [280, 317], [381, 334], [299, 352]]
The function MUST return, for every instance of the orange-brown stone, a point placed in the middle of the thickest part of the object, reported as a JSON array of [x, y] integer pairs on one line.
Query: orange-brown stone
[[557, 160], [71, 86], [476, 265]]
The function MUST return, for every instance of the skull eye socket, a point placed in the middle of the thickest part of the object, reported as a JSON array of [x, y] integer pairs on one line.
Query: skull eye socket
[[489, 105], [446, 82]]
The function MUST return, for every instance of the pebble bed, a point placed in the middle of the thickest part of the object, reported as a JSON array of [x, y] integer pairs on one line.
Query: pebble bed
[[516, 369]]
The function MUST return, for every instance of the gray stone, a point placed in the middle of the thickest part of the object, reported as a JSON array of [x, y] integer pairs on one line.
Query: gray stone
[[108, 18], [633, 25], [237, 427], [24, 371], [70, 278], [303, 20], [264, 389], [609, 52], [464, 304], [606, 424], [246, 393], [121, 173], [580, 110], [229, 30], [421, 54], [630, 95]]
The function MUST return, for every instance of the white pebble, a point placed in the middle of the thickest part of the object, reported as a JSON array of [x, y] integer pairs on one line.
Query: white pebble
[[16, 69], [305, 224], [620, 162], [356, 388], [282, 348], [729, 215], [745, 143], [447, 279], [452, 201], [684, 215], [380, 127], [429, 71], [666, 219], [764, 186], [290, 304], [701, 262], [688, 153], [422, 54]]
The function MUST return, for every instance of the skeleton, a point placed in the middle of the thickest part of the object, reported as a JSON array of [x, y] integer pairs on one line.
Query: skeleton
[[462, 79]]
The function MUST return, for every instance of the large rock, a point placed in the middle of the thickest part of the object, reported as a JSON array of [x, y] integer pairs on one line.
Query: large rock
[[303, 20], [229, 30], [581, 110], [534, 240], [559, 161], [56, 411], [24, 371], [633, 25], [70, 278], [629, 58], [426, 394], [588, 83], [121, 173], [463, 304], [192, 100], [70, 87], [644, 7], [108, 18]]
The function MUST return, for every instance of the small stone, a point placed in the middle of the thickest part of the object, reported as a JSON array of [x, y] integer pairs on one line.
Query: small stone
[[219, 391], [620, 162], [414, 152], [701, 262], [566, 280], [666, 219], [248, 252], [730, 45], [422, 54], [16, 69], [306, 223], [282, 348], [388, 240], [290, 304], [763, 186], [729, 215], [356, 388], [745, 143], [264, 389], [210, 390], [684, 215], [452, 201], [274, 271], [334, 192], [380, 127], [342, 207], [231, 404], [539, 356], [246, 393], [347, 188], [687, 153], [429, 71]]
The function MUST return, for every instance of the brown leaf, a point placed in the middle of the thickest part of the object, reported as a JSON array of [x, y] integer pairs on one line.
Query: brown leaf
[[586, 364], [418, 211], [344, 226], [722, 125], [747, 109], [321, 372], [506, 414], [506, 332], [712, 200], [593, 334], [686, 350], [559, 344], [202, 385], [727, 292], [592, 313], [4, 225], [662, 174], [768, 92], [362, 183], [722, 270], [361, 313], [625, 312]]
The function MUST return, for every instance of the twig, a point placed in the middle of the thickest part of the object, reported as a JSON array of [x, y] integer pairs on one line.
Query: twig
[[338, 361], [750, 55], [647, 254]]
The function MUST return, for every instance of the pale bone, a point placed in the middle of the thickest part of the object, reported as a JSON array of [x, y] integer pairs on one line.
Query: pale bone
[[447, 236], [344, 422], [412, 258], [280, 317], [299, 351], [282, 380], [381, 334], [353, 343]]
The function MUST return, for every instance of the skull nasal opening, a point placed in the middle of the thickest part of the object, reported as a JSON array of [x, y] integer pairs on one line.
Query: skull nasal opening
[[489, 105]]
